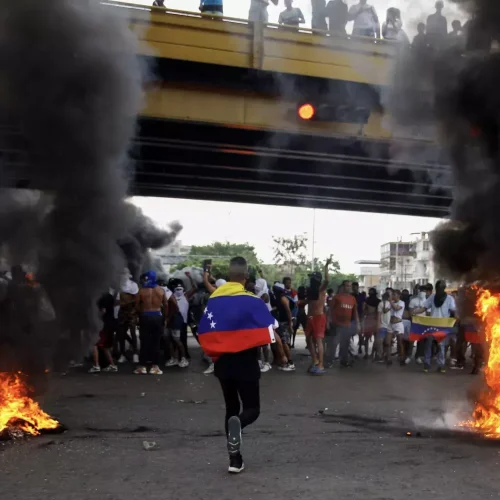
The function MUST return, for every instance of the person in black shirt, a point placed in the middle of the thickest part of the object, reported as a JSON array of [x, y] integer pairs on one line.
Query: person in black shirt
[[159, 3], [336, 12]]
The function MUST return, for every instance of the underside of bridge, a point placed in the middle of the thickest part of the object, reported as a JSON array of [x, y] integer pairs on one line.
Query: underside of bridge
[[208, 162]]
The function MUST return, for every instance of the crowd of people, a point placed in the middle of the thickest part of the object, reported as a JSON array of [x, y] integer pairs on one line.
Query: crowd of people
[[333, 16], [339, 327]]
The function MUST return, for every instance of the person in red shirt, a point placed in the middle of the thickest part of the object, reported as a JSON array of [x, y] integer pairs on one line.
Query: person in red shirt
[[343, 313]]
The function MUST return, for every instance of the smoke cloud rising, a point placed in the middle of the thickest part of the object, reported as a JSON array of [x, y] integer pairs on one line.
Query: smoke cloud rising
[[71, 89], [450, 93]]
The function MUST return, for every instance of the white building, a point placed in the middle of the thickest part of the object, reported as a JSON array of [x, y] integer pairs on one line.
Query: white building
[[423, 270], [369, 274]]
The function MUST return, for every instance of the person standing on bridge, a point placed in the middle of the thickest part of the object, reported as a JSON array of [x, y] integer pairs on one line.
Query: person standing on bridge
[[211, 7], [291, 16], [318, 21], [336, 12], [258, 11], [365, 19], [159, 3]]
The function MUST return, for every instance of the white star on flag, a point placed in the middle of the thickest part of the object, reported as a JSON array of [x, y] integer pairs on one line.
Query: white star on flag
[[212, 324], [206, 310], [210, 315]]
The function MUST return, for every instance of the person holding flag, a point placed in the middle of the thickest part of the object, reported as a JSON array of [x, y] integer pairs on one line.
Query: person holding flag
[[437, 327], [234, 324]]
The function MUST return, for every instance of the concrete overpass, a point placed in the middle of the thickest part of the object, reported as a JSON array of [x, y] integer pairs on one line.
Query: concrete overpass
[[220, 120]]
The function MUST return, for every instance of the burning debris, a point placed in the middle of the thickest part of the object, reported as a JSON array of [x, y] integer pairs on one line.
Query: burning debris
[[486, 414], [20, 415]]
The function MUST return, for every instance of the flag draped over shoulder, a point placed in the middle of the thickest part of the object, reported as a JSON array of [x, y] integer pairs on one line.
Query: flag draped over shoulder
[[234, 320], [426, 326]]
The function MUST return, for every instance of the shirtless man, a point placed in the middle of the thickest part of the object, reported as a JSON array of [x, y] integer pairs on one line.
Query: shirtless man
[[151, 302], [316, 320]]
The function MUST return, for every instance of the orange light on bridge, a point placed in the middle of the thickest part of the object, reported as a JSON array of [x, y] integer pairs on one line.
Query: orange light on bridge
[[307, 111]]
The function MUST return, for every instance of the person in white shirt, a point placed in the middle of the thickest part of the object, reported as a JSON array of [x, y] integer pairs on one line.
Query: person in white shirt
[[418, 302], [398, 329], [258, 11], [384, 336], [441, 305], [365, 19]]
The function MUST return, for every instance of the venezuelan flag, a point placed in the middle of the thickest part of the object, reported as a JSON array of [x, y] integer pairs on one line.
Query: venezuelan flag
[[426, 326], [234, 320]]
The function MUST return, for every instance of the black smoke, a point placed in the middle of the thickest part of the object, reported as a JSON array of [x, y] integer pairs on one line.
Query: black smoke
[[142, 236], [70, 93], [451, 90]]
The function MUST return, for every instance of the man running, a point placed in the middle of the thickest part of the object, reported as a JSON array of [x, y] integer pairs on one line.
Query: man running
[[316, 320], [234, 324], [149, 303]]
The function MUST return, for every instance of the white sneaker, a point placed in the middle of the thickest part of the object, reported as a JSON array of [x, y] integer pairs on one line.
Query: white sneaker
[[135, 358], [183, 363], [291, 366], [419, 361], [171, 362], [110, 369], [209, 370], [264, 367], [155, 370], [122, 359], [407, 361], [95, 369], [141, 370], [269, 366], [286, 368]]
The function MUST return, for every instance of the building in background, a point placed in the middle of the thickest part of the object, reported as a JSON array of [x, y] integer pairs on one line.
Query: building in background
[[397, 264], [370, 274], [173, 254]]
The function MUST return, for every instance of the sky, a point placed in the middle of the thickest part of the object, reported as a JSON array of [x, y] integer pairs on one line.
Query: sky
[[349, 236], [412, 11]]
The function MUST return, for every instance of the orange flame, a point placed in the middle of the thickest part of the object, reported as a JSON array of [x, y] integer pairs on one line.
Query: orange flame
[[486, 415], [19, 410]]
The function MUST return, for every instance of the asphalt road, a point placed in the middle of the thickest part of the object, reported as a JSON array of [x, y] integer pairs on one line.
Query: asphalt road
[[338, 436]]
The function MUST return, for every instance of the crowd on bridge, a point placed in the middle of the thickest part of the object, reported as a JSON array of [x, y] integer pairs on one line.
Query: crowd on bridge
[[333, 17]]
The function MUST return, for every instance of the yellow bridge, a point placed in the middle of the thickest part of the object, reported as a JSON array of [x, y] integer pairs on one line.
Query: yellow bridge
[[221, 122]]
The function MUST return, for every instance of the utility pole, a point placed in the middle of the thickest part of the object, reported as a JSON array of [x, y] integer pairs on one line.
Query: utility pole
[[314, 235]]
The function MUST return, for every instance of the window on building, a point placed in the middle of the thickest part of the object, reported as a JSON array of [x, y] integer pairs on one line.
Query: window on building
[[426, 245]]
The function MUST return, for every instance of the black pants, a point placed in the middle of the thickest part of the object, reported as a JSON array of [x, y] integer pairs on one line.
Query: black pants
[[151, 334], [420, 349], [123, 335], [249, 393]]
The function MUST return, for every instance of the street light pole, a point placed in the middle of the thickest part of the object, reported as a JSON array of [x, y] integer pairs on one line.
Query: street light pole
[[314, 235]]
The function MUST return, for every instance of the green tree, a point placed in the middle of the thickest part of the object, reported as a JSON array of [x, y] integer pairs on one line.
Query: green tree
[[291, 252], [220, 253]]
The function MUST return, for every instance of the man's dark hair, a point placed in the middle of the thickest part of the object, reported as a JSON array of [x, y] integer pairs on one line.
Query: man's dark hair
[[329, 291], [287, 279], [238, 269], [346, 281], [429, 287], [355, 283]]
